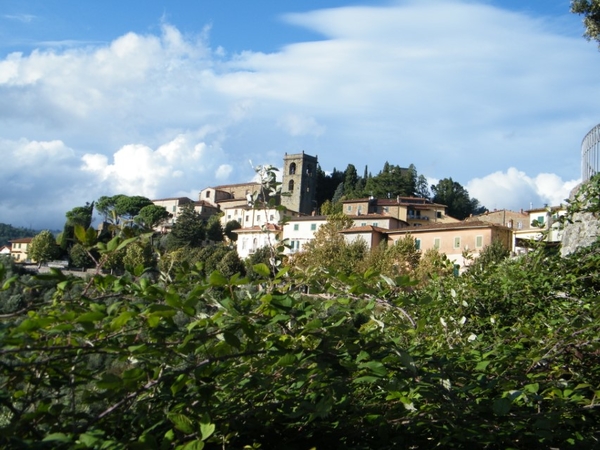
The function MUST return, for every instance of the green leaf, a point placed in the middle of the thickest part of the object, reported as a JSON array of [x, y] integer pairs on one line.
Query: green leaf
[[232, 339], [262, 269], [122, 319], [207, 429], [193, 445], [58, 437], [217, 279], [181, 422], [501, 406], [94, 316], [286, 360]]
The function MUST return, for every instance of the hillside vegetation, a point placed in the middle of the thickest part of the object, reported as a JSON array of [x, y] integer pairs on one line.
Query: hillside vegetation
[[505, 355]]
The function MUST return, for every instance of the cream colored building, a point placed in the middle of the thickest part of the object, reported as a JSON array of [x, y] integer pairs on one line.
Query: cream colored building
[[175, 205], [549, 228], [251, 239], [414, 211], [19, 249], [456, 239], [298, 231]]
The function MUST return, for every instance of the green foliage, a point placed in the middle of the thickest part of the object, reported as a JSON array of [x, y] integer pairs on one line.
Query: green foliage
[[507, 359], [329, 250], [590, 9], [230, 227], [80, 258], [214, 230], [43, 248], [392, 181], [8, 232], [456, 198], [151, 216], [491, 255], [189, 230]]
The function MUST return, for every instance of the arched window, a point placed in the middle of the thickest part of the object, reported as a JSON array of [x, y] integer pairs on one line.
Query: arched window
[[292, 168], [291, 186]]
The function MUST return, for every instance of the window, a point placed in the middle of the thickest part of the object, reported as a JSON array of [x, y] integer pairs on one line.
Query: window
[[386, 209], [258, 217], [207, 195], [313, 226], [363, 224], [235, 213], [228, 216], [349, 208], [247, 218], [271, 217], [540, 220], [457, 242], [309, 170], [359, 209], [174, 208], [375, 224], [519, 225], [479, 241], [436, 243], [296, 226], [291, 186], [418, 244], [292, 168], [438, 214]]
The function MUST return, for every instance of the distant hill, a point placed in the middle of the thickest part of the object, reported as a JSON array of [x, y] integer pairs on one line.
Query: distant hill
[[8, 232]]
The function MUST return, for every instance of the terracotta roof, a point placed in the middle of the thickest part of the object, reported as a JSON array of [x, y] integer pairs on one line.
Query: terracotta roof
[[181, 199], [26, 240], [364, 229], [225, 186], [308, 219], [447, 226], [255, 228]]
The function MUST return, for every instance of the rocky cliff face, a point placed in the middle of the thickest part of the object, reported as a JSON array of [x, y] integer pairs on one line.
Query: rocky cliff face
[[583, 232]]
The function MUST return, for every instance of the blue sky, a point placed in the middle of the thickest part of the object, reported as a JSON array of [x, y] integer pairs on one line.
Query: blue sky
[[164, 98]]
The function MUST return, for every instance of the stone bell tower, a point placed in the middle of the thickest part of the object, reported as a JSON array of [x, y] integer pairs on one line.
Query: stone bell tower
[[299, 183]]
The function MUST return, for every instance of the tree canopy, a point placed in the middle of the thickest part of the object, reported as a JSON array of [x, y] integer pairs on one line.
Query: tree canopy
[[456, 198], [590, 10]]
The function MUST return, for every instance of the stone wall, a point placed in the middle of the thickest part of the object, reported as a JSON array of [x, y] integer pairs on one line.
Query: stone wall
[[583, 232]]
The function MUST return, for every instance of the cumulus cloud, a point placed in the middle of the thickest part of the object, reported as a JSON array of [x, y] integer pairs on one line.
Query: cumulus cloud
[[460, 89], [516, 190]]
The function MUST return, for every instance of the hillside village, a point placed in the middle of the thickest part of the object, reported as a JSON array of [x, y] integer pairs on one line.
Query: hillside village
[[293, 218]]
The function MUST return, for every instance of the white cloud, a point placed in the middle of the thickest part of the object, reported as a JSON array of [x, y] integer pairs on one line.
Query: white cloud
[[461, 89], [299, 125], [223, 172], [516, 190]]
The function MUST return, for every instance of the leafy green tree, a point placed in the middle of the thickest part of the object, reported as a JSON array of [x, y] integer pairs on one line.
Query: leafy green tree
[[214, 230], [392, 181], [80, 215], [590, 9], [329, 249], [422, 187], [80, 258], [401, 258], [230, 227], [328, 208], [43, 248], [492, 254], [137, 255], [456, 198], [151, 216], [189, 230], [350, 182]]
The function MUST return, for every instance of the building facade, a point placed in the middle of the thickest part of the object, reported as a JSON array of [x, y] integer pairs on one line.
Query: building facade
[[299, 183]]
